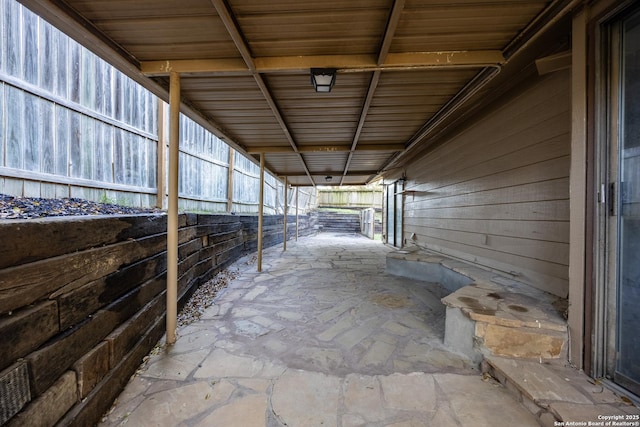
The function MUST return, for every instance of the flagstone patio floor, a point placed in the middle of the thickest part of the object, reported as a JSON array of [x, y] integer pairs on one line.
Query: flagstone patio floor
[[321, 337]]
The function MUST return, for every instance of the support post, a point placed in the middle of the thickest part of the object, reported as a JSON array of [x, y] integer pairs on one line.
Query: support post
[[260, 211], [286, 200], [297, 222], [172, 208], [230, 180], [578, 190]]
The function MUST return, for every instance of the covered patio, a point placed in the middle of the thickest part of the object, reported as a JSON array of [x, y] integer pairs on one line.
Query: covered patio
[[495, 129], [324, 336]]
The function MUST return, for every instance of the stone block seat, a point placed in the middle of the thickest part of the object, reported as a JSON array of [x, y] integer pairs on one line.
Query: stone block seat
[[489, 314], [518, 334]]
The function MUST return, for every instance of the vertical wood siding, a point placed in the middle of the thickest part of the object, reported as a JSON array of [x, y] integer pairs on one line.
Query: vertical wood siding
[[497, 193]]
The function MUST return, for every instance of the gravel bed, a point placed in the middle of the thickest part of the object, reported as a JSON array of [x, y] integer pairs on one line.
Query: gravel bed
[[204, 297], [35, 207]]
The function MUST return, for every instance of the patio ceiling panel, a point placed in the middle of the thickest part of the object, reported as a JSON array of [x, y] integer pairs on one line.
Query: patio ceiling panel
[[288, 163], [433, 25], [298, 28], [405, 99], [366, 162], [244, 66], [238, 105], [320, 118], [326, 164], [160, 30]]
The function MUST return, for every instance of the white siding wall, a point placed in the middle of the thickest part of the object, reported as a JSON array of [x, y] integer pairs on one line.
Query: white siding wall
[[497, 193]]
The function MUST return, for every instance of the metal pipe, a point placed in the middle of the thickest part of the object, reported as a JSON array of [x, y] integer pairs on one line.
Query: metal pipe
[[297, 222], [172, 208], [284, 239], [260, 211]]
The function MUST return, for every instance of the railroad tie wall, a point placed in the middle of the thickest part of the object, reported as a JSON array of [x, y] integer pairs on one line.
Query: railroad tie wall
[[82, 301]]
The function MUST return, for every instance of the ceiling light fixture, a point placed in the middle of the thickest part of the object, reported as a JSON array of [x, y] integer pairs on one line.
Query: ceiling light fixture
[[328, 178], [323, 79]]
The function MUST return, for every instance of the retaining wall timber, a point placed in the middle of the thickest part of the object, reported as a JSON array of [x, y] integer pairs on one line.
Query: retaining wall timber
[[82, 301]]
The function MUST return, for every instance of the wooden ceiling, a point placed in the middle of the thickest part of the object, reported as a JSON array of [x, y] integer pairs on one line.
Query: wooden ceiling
[[244, 68]]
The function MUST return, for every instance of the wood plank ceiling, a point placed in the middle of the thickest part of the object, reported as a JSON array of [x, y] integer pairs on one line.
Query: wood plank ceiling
[[244, 67]]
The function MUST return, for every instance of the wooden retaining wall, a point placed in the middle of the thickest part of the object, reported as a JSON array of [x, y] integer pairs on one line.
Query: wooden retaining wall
[[82, 301]]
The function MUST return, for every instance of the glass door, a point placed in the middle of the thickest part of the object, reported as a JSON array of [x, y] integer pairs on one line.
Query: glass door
[[390, 214], [393, 213], [627, 210]]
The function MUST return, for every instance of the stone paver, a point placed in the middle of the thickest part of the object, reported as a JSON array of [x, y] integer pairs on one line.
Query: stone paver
[[322, 337]]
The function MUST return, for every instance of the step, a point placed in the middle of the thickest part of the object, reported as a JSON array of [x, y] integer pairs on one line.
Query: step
[[559, 395], [339, 222]]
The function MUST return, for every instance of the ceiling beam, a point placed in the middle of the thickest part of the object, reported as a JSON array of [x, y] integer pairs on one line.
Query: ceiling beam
[[390, 30], [475, 58], [343, 63], [230, 23], [322, 175], [230, 66], [383, 52], [327, 148]]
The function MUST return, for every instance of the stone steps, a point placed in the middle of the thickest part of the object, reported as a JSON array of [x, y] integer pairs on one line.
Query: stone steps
[[556, 394], [339, 222]]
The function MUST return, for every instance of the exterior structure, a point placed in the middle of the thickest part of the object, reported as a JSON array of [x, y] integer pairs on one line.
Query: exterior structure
[[504, 132]]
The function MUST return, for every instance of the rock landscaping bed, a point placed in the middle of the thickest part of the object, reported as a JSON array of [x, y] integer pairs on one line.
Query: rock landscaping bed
[[34, 207]]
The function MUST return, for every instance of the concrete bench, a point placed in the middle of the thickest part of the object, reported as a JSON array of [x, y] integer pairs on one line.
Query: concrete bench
[[488, 313]]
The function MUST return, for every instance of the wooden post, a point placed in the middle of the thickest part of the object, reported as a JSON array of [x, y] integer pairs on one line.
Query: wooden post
[[260, 211], [297, 222], [161, 157], [172, 208], [578, 191], [284, 239], [230, 180]]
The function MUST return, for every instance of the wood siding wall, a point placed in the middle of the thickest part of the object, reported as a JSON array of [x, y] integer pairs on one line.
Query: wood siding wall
[[79, 313], [497, 194]]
